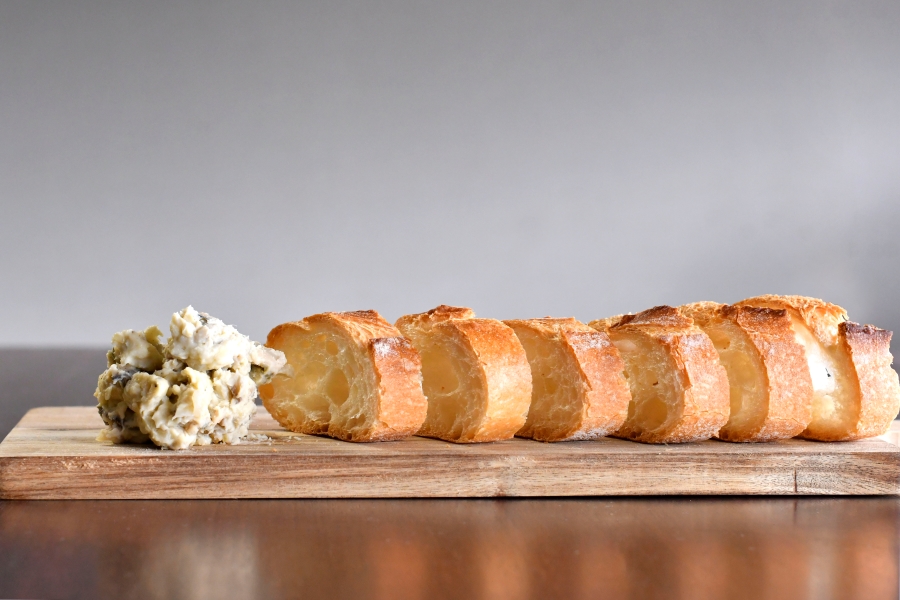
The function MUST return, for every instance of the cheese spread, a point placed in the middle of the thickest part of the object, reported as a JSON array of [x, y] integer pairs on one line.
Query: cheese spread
[[199, 388]]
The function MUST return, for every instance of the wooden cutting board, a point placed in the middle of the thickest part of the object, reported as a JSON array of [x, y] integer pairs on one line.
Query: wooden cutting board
[[53, 454]]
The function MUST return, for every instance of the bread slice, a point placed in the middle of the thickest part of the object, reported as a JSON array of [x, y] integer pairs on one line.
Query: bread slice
[[771, 391], [474, 372], [856, 393], [354, 377], [679, 391], [579, 391]]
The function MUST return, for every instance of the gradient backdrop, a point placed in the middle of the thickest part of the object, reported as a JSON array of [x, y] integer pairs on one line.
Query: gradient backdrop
[[268, 160]]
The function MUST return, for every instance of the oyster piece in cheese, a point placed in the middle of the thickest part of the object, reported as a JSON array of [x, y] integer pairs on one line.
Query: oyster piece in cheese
[[199, 388]]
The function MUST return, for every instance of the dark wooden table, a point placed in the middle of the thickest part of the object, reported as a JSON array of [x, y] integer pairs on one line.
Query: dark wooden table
[[549, 548]]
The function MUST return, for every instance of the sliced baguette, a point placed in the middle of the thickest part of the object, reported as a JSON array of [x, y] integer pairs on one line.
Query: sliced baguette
[[579, 391], [352, 376], [770, 387], [856, 393], [679, 391], [475, 375]]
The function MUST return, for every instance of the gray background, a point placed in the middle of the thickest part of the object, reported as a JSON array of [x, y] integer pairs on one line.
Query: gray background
[[265, 161]]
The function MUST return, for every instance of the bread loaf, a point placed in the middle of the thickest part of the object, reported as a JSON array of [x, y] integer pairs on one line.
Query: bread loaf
[[856, 393], [354, 377], [770, 387], [475, 375], [579, 391], [679, 391]]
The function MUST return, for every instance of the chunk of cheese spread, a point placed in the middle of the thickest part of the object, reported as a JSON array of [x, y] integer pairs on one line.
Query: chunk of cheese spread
[[199, 388]]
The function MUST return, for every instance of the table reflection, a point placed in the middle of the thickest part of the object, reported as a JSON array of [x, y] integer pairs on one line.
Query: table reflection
[[548, 548]]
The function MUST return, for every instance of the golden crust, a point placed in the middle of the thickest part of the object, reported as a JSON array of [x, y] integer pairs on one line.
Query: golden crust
[[361, 324], [603, 390], [506, 374], [501, 365], [401, 404], [861, 355], [388, 360], [869, 350], [701, 312], [789, 384], [821, 317], [704, 401], [659, 316], [603, 325], [788, 387], [436, 315]]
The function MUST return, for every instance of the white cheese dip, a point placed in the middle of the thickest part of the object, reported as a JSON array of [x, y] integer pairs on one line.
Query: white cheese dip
[[200, 388]]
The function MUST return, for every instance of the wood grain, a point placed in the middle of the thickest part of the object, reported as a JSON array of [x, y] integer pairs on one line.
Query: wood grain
[[53, 454]]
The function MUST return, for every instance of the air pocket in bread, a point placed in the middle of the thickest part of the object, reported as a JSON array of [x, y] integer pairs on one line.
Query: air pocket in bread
[[352, 376], [579, 391], [475, 375], [679, 391]]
